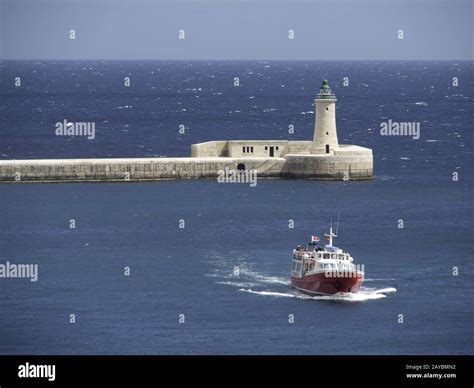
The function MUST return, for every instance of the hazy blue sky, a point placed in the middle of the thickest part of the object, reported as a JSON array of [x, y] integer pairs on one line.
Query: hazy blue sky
[[237, 29]]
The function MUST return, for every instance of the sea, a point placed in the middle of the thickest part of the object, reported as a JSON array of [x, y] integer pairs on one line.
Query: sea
[[201, 267]]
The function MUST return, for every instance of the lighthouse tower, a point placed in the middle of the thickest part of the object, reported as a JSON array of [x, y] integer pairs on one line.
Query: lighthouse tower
[[325, 133]]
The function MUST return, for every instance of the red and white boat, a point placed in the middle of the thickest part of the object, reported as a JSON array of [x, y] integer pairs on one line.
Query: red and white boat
[[324, 269]]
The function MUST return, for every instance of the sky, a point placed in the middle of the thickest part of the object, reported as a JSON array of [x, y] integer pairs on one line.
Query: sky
[[237, 29]]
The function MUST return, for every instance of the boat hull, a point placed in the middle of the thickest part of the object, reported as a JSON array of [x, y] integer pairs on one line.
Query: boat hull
[[321, 284]]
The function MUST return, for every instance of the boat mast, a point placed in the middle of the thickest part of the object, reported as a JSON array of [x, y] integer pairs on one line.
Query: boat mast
[[331, 234]]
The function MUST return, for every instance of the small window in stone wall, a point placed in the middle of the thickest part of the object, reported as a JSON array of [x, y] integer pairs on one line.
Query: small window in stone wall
[[243, 150], [266, 148], [251, 150], [276, 148]]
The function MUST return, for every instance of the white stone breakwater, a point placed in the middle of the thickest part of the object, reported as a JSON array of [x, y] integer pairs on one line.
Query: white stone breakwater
[[342, 167]]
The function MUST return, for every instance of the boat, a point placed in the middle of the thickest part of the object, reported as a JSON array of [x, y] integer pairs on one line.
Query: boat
[[325, 269]]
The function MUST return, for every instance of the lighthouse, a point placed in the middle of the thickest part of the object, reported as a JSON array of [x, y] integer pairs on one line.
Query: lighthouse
[[325, 133]]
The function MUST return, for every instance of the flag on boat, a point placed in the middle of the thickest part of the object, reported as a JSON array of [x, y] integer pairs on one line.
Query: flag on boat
[[327, 237], [314, 239]]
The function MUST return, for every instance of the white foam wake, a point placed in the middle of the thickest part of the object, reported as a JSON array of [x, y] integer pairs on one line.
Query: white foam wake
[[271, 293], [256, 276], [237, 284], [363, 294]]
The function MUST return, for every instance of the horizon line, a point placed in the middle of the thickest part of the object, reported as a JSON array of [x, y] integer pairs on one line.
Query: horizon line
[[238, 60]]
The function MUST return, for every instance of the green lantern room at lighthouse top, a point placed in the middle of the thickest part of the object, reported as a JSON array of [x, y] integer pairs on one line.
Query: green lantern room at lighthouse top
[[325, 92]]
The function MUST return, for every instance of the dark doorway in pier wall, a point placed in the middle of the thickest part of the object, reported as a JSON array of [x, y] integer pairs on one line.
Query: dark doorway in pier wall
[[272, 152], [327, 148], [241, 167]]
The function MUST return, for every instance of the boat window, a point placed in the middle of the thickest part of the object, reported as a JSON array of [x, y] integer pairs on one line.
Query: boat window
[[319, 255], [326, 255], [334, 256]]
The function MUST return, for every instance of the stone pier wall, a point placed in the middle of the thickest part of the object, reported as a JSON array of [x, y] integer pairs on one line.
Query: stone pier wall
[[336, 167], [110, 169], [151, 169]]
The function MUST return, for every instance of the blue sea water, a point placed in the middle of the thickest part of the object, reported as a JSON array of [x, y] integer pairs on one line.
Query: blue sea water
[[191, 271]]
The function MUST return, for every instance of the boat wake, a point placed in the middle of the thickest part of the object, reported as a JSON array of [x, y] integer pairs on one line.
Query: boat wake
[[238, 284], [244, 277], [258, 277], [364, 294]]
